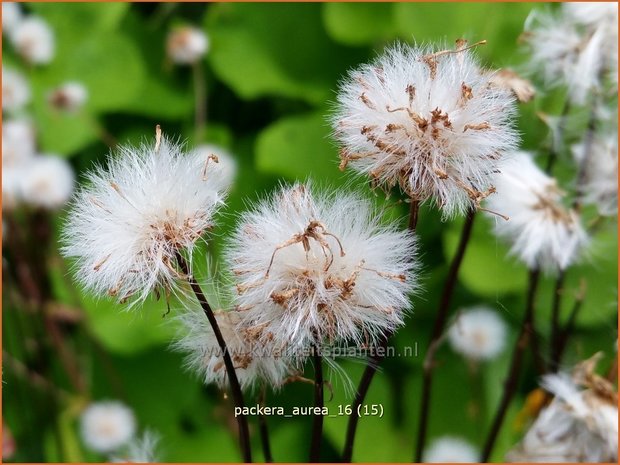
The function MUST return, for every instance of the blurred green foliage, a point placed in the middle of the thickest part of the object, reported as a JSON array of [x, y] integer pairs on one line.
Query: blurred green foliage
[[270, 76]]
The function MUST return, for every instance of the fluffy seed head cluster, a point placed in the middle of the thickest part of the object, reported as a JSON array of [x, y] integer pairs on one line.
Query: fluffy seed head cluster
[[47, 182], [70, 96], [255, 361], [11, 16], [314, 268], [187, 45], [600, 183], [106, 426], [210, 153], [18, 141], [478, 333], [580, 424], [139, 450], [543, 233], [430, 121], [128, 224], [576, 47], [34, 40], [450, 449], [15, 90]]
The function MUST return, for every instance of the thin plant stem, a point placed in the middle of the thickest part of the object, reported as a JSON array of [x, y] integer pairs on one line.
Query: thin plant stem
[[569, 326], [317, 423], [512, 379], [200, 99], [555, 320], [373, 363], [235, 387], [263, 428], [438, 330]]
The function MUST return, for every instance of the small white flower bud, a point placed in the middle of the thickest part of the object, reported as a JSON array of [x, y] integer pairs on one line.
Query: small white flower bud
[[70, 96], [187, 45]]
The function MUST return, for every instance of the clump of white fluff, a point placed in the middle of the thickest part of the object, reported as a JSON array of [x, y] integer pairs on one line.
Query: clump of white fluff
[[430, 121], [478, 333], [315, 267], [47, 181], [18, 141], [139, 450], [255, 361], [70, 96], [600, 182], [211, 153], [575, 47], [15, 90], [130, 221], [187, 45], [11, 16], [580, 425], [450, 449], [34, 40], [106, 426], [543, 233]]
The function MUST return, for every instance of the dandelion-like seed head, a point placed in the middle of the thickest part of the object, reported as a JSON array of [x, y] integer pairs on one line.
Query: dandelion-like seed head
[[11, 16], [106, 426], [34, 40], [18, 142], [448, 449], [127, 226], [543, 233], [432, 122], [211, 153], [70, 96], [255, 359], [187, 45], [47, 181], [478, 333], [579, 425], [15, 90], [139, 450], [314, 268]]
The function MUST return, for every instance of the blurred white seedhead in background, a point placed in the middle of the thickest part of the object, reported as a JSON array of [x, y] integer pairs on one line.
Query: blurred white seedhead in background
[[575, 47], [106, 426], [70, 96], [430, 121], [579, 425], [15, 90], [314, 268], [47, 181], [542, 232], [129, 221], [210, 153], [11, 16], [448, 449], [34, 40], [256, 361], [600, 174], [187, 45], [478, 333], [18, 141], [140, 450]]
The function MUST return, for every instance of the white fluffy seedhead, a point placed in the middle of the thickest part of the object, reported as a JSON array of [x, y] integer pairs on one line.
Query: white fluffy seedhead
[[11, 16], [18, 142], [210, 153], [34, 40], [70, 96], [126, 227], [187, 45], [478, 333], [313, 268], [15, 90], [106, 426], [256, 361], [448, 449], [47, 181], [600, 183], [543, 233], [139, 450], [430, 121], [580, 425]]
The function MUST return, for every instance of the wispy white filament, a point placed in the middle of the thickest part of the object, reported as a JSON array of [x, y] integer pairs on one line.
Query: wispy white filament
[[211, 153], [139, 450]]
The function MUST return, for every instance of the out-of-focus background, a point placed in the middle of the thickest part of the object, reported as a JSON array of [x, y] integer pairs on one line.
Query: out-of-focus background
[[265, 85]]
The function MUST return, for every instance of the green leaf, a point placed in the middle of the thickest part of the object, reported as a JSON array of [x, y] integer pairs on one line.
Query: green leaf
[[359, 23], [275, 49], [298, 147]]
